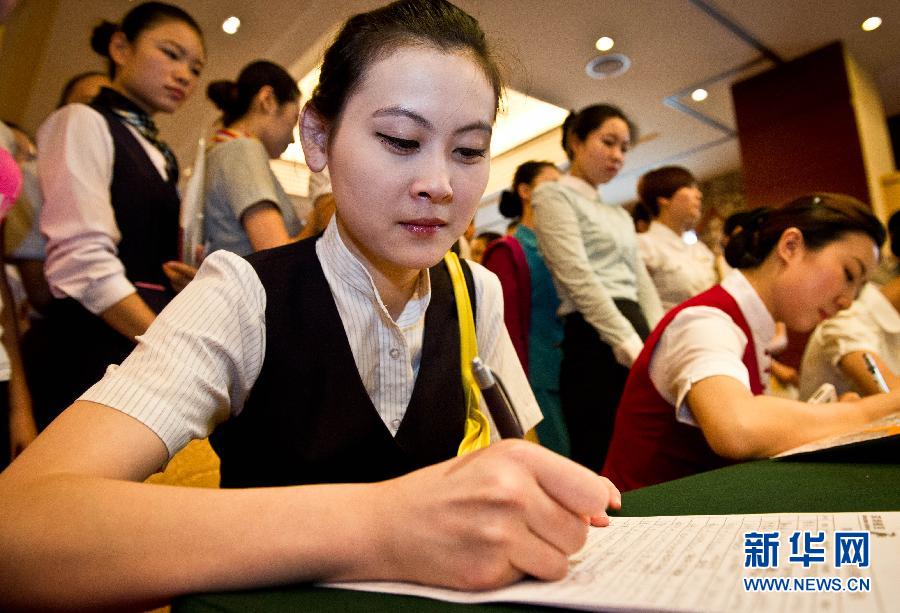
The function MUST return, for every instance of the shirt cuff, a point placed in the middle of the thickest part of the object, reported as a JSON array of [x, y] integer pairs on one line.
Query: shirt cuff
[[101, 296], [627, 352]]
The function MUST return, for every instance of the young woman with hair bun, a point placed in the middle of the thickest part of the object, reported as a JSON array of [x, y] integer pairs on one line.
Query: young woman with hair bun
[[530, 301], [609, 303], [111, 206], [694, 399], [246, 207], [334, 371]]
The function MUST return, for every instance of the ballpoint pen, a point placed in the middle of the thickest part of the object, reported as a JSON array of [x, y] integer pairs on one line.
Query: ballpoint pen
[[876, 373], [497, 401]]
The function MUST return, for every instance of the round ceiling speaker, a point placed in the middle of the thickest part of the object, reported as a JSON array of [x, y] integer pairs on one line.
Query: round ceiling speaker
[[606, 66]]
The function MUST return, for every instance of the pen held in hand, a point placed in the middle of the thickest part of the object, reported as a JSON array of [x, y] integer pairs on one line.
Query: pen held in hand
[[876, 373], [497, 401]]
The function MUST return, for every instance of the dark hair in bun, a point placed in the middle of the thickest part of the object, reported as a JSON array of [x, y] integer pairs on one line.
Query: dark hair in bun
[[368, 37], [582, 123], [137, 20], [234, 98], [822, 218], [510, 202]]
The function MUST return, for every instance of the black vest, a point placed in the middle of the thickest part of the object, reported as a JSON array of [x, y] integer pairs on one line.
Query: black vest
[[72, 344], [145, 205], [309, 418]]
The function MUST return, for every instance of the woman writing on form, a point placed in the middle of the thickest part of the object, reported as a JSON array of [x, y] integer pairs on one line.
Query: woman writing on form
[[693, 401], [836, 352], [402, 116]]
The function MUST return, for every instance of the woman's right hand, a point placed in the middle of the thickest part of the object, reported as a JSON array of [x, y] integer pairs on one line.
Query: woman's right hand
[[489, 518]]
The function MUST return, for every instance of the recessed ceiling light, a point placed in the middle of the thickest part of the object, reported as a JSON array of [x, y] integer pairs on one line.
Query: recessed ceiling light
[[604, 43], [231, 25], [871, 23], [606, 66], [699, 95]]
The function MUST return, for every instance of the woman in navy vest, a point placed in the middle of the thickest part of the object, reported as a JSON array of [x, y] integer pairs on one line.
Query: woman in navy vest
[[111, 205], [693, 400], [332, 360]]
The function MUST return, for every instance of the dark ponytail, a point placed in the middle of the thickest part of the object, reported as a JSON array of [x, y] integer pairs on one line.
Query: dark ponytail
[[234, 98], [822, 218], [510, 201], [138, 19]]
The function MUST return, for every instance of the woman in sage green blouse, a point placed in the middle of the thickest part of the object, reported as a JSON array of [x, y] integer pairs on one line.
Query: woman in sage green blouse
[[607, 298]]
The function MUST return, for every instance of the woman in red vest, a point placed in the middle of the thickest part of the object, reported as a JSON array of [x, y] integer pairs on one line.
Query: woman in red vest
[[693, 400]]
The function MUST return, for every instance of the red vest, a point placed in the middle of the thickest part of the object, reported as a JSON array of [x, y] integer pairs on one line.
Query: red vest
[[649, 445], [505, 258]]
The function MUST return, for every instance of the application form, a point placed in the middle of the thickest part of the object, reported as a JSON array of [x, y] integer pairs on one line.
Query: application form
[[709, 563]]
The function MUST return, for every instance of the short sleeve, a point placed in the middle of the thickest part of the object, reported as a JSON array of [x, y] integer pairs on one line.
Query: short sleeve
[[242, 174], [849, 331], [700, 342], [198, 361]]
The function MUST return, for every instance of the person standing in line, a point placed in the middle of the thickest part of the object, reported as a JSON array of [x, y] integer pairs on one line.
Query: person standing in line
[[607, 298], [17, 425], [111, 205], [530, 301], [246, 208], [83, 88], [680, 268], [25, 247]]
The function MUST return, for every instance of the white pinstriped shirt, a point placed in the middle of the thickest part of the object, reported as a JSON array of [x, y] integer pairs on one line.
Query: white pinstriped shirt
[[197, 363]]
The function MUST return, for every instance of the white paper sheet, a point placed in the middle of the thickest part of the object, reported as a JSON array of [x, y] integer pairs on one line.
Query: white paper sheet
[[882, 428], [696, 563]]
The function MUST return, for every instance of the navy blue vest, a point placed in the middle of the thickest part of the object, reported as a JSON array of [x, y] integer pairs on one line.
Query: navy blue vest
[[145, 205], [73, 345], [309, 418]]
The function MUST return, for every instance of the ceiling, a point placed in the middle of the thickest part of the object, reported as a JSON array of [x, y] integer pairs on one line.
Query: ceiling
[[674, 46]]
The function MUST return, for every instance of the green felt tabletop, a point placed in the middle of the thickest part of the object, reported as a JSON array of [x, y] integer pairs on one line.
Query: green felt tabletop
[[754, 487], [772, 487]]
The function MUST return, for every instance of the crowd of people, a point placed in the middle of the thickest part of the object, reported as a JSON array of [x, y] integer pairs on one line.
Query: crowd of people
[[329, 359]]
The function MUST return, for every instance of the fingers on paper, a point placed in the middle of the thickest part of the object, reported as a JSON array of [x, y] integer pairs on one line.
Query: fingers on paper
[[575, 487]]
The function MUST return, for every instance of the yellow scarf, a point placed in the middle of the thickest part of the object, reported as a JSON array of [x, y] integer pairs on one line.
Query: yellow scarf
[[478, 430]]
